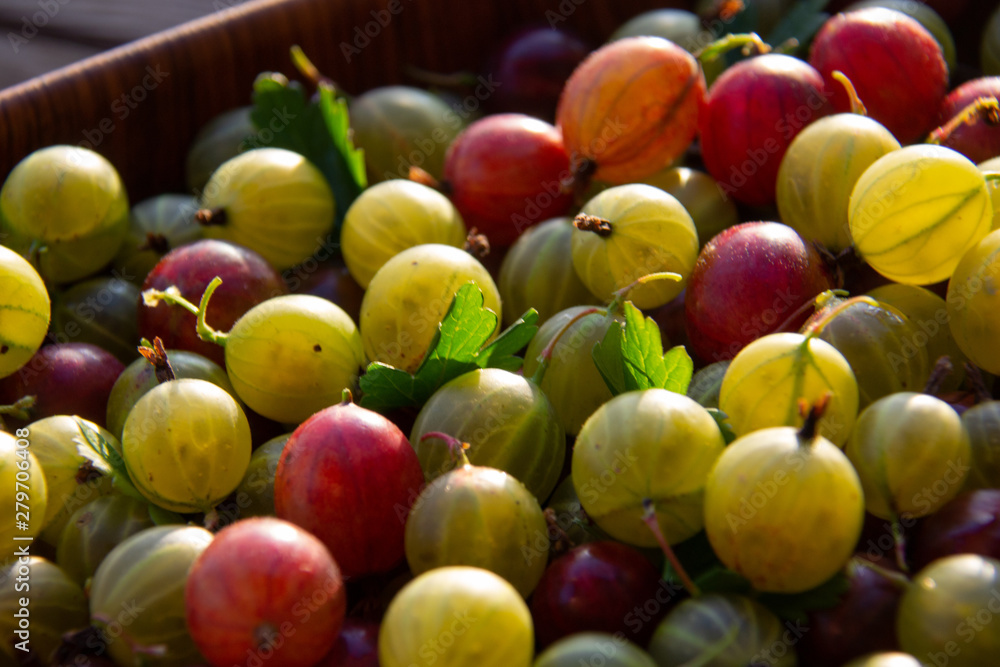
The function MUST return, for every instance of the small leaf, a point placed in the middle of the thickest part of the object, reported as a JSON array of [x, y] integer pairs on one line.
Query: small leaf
[[722, 419], [795, 606], [500, 353], [458, 346], [607, 355], [102, 447], [318, 131], [696, 555], [721, 579], [800, 23], [338, 124], [162, 517], [679, 369], [386, 388], [123, 484], [641, 363], [707, 384], [464, 330]]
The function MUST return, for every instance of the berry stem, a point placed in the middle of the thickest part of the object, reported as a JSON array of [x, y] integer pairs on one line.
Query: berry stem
[[896, 578], [264, 636], [19, 409], [546, 355], [559, 540], [346, 397], [172, 296], [424, 177], [455, 446], [977, 384], [578, 182], [617, 302], [476, 244], [830, 313], [592, 223], [899, 539], [211, 216], [749, 42], [158, 243], [649, 517], [721, 9], [787, 47], [986, 109], [857, 106], [942, 369], [34, 254], [311, 72], [213, 520], [154, 650], [156, 355], [819, 300], [810, 426], [440, 79]]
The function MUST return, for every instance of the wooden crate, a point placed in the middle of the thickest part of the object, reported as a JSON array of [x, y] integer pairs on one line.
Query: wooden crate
[[141, 104]]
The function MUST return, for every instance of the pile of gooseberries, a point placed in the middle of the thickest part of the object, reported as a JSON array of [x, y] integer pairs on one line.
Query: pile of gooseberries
[[684, 352]]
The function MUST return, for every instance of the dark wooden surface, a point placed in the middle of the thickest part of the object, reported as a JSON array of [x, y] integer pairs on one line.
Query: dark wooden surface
[[41, 37], [188, 74], [141, 103]]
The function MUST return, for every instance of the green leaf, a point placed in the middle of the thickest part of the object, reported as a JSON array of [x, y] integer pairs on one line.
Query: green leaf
[[640, 362], [720, 579], [162, 517], [711, 576], [464, 329], [800, 23], [457, 348], [102, 447], [122, 483], [722, 419], [317, 130], [607, 355], [707, 384], [795, 606], [386, 388], [696, 555], [120, 479], [338, 124], [500, 353]]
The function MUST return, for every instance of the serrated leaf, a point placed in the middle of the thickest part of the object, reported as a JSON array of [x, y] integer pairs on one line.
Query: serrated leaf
[[338, 124], [641, 363], [385, 388], [722, 419], [317, 130], [102, 447], [464, 330], [500, 353], [607, 355], [458, 346], [679, 369]]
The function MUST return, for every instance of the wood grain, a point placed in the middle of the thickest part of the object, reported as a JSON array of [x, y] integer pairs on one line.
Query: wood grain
[[104, 23], [40, 55], [37, 39], [141, 104]]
